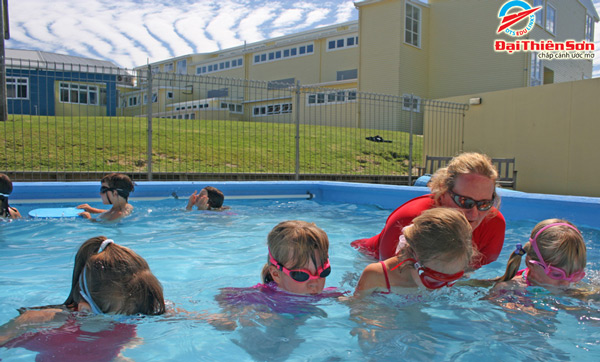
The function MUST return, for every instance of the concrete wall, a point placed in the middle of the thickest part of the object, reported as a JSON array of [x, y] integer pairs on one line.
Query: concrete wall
[[552, 130]]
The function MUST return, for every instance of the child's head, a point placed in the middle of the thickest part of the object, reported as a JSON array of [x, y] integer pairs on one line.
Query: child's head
[[439, 239], [215, 197], [114, 279], [555, 254], [6, 188], [298, 251], [118, 182]]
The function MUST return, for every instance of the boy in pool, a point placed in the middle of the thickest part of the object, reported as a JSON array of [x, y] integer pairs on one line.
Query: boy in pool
[[209, 198], [6, 188], [114, 190]]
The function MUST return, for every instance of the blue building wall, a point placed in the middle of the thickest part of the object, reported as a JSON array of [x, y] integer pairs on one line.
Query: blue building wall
[[42, 98]]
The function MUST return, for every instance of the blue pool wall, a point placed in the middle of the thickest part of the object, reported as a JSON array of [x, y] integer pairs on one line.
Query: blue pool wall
[[583, 211]]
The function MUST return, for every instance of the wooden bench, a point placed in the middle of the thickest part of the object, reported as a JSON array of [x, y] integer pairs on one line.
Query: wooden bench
[[507, 174]]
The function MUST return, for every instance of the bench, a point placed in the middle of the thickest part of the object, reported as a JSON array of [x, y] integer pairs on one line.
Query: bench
[[507, 174]]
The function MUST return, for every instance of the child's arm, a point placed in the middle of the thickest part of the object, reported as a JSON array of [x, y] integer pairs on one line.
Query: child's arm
[[372, 277], [30, 319], [91, 210], [192, 201], [14, 213]]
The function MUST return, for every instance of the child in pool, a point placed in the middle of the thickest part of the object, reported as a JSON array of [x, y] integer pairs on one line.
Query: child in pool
[[294, 275], [209, 198], [107, 279], [434, 252], [114, 190], [555, 256], [6, 188]]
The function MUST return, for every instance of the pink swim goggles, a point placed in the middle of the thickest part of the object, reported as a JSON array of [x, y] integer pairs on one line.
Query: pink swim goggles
[[552, 271], [302, 275]]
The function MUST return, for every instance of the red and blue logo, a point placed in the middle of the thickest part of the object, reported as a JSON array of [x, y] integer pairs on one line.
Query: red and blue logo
[[514, 12]]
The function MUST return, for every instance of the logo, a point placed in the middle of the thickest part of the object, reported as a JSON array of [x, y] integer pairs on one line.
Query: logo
[[520, 10]]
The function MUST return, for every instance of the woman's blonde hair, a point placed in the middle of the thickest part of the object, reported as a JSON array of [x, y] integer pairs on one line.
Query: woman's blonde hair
[[118, 279], [444, 178], [560, 246], [294, 243], [439, 232]]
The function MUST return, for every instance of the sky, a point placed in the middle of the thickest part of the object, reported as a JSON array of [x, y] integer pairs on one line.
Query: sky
[[132, 33]]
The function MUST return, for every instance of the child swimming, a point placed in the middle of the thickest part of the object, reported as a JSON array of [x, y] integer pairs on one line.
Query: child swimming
[[434, 251], [555, 256], [114, 190], [107, 279], [6, 188], [209, 198]]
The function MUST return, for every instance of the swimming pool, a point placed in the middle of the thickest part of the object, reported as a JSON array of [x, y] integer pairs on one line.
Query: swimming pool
[[194, 254]]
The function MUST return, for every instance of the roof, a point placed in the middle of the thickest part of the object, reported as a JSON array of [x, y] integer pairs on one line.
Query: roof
[[20, 58], [589, 5]]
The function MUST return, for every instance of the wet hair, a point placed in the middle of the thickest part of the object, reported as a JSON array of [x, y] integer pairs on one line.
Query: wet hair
[[6, 188], [118, 279], [444, 179], [294, 243], [440, 233], [560, 246], [215, 197], [121, 182]]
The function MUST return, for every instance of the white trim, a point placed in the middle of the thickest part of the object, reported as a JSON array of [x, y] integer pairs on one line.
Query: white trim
[[419, 31]]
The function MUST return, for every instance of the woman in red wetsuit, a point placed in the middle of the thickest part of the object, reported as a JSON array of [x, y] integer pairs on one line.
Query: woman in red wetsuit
[[468, 184], [107, 279]]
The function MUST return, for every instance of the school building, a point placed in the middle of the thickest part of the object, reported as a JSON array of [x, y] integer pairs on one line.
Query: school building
[[434, 49]]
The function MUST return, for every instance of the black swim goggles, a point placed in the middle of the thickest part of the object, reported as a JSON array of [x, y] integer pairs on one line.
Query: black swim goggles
[[121, 192], [467, 203]]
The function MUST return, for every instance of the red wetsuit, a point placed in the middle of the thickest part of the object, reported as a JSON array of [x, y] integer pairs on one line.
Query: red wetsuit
[[70, 343], [488, 236]]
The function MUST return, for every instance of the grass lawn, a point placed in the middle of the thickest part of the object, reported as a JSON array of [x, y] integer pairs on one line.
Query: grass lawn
[[103, 144]]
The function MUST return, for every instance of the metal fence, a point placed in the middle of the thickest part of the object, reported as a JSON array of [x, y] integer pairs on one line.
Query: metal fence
[[79, 122]]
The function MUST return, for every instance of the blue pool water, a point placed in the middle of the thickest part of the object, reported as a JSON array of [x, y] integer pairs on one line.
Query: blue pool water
[[194, 254]]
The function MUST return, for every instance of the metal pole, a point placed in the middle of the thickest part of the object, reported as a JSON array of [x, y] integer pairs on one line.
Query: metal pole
[[5, 35], [297, 112], [410, 144], [149, 116]]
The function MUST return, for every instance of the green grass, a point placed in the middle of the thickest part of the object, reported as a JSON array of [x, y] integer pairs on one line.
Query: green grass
[[101, 144]]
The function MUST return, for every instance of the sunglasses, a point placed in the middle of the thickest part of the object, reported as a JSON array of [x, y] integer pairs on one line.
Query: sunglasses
[[302, 275], [467, 203], [552, 271], [432, 279]]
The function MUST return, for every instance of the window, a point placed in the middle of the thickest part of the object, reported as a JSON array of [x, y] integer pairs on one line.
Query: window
[[215, 93], [182, 66], [215, 67], [339, 96], [17, 88], [270, 109], [406, 103], [551, 19], [589, 28], [78, 93], [132, 101], [412, 25], [535, 75], [335, 44], [282, 54], [347, 74], [170, 95], [539, 15], [168, 67]]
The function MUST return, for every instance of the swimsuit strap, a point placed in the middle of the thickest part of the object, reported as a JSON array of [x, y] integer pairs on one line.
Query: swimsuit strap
[[387, 279]]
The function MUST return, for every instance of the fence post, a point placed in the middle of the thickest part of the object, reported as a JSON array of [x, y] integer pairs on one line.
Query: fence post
[[410, 143], [149, 116], [297, 113]]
